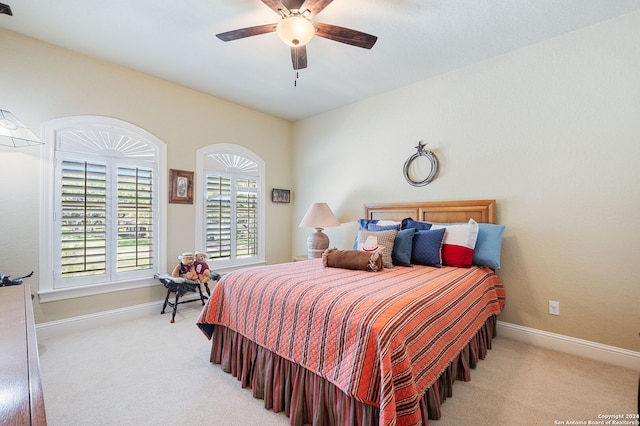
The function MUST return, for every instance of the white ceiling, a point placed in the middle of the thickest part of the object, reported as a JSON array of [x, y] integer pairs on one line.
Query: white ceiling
[[417, 39]]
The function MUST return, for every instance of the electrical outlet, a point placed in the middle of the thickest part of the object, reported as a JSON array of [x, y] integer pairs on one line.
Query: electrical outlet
[[554, 307]]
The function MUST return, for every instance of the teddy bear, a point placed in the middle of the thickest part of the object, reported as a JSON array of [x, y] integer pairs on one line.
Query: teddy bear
[[186, 268], [201, 266]]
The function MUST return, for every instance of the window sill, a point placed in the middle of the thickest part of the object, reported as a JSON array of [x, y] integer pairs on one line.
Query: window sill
[[52, 295], [226, 269]]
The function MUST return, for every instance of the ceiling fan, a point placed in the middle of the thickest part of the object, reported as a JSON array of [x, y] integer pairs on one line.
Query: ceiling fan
[[296, 28]]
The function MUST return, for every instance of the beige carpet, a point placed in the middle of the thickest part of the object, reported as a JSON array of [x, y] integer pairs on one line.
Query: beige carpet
[[151, 372]]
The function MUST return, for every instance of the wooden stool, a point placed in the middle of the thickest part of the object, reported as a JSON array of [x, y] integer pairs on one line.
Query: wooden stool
[[180, 287]]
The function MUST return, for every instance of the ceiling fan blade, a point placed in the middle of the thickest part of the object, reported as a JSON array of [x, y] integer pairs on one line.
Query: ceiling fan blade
[[246, 32], [276, 6], [299, 57], [345, 35], [314, 7]]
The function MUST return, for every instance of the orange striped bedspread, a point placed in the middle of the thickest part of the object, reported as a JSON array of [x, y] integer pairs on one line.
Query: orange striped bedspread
[[381, 337]]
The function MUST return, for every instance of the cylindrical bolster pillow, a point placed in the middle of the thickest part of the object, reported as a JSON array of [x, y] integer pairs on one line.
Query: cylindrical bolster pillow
[[352, 259]]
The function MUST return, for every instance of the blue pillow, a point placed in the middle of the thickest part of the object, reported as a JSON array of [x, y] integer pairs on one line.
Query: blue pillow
[[402, 247], [410, 223], [364, 223], [427, 245], [488, 245], [374, 227]]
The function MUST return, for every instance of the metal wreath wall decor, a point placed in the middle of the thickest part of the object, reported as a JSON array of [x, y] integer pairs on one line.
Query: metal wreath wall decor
[[414, 171]]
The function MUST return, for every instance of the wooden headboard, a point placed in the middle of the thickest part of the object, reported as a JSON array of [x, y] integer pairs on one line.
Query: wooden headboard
[[439, 211]]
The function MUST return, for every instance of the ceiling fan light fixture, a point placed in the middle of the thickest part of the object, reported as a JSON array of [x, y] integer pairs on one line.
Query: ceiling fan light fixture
[[295, 30]]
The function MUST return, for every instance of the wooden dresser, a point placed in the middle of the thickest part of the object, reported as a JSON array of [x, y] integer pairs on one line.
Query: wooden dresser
[[21, 400]]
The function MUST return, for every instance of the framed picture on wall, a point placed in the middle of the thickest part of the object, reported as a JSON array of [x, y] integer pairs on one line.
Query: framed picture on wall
[[180, 186], [280, 195]]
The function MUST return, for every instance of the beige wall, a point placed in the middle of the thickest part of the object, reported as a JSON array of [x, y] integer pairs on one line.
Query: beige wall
[[41, 82], [551, 131]]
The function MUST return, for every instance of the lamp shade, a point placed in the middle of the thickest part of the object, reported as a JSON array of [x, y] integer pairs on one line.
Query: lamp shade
[[319, 215], [15, 134], [295, 30]]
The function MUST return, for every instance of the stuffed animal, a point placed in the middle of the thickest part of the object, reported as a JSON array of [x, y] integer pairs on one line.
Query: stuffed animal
[[186, 268], [201, 267]]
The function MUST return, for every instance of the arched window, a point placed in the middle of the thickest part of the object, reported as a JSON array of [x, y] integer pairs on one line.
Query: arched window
[[230, 205], [103, 202]]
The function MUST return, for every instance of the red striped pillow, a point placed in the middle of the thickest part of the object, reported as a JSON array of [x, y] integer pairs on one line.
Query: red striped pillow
[[459, 243]]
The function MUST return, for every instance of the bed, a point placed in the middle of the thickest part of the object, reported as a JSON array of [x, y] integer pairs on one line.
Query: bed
[[334, 346]]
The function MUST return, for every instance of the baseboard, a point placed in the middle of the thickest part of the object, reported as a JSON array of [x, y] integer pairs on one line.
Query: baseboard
[[65, 326], [583, 348]]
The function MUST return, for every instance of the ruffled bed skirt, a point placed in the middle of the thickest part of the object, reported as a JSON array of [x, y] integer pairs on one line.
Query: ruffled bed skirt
[[309, 399]]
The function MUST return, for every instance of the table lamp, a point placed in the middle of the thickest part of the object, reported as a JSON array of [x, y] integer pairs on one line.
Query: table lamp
[[319, 216]]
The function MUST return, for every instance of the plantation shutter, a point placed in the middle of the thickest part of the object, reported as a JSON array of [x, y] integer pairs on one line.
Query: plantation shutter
[[83, 218], [231, 217], [231, 222], [103, 206], [246, 217], [218, 217], [135, 218]]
